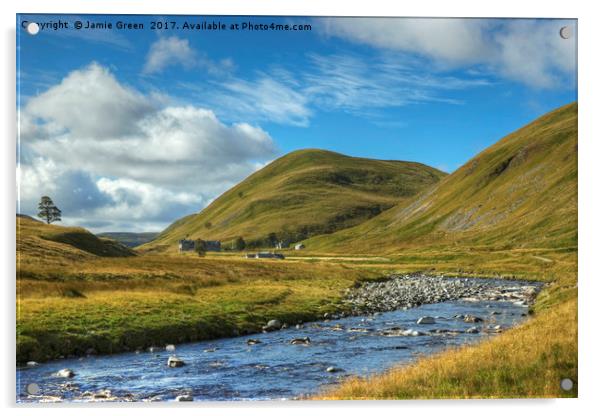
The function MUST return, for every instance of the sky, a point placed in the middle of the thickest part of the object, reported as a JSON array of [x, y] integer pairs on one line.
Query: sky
[[132, 129]]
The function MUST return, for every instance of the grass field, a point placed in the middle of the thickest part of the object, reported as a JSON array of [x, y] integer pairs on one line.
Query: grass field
[[75, 303]]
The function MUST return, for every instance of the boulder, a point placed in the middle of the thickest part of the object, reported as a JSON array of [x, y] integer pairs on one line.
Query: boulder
[[411, 333], [472, 319], [66, 373], [174, 361], [426, 320], [333, 369], [472, 330], [253, 341], [301, 341], [184, 398], [103, 394], [272, 325]]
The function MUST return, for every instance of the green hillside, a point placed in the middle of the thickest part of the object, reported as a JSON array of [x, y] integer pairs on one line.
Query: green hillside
[[519, 193], [129, 239], [305, 193], [45, 244]]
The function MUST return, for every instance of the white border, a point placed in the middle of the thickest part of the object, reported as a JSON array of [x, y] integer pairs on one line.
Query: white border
[[590, 207]]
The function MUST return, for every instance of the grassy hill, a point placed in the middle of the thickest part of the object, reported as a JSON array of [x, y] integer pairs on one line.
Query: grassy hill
[[519, 193], [39, 243], [129, 239], [305, 193]]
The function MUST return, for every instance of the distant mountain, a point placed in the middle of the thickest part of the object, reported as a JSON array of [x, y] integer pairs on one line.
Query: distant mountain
[[520, 192], [302, 194], [129, 239], [47, 243]]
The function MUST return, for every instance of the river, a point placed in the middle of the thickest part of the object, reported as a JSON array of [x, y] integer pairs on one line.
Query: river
[[230, 369]]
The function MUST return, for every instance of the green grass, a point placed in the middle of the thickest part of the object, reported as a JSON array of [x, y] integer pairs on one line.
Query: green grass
[[46, 243], [304, 193], [120, 304]]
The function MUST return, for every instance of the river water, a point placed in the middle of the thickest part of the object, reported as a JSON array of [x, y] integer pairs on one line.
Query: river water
[[229, 369]]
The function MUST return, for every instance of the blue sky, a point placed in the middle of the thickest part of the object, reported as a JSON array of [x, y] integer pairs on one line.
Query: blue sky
[[130, 130]]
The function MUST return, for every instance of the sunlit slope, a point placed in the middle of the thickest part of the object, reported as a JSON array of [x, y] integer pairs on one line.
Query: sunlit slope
[[520, 192], [304, 193], [49, 244]]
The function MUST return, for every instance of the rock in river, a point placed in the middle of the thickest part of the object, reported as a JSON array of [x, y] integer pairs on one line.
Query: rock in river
[[174, 361], [184, 398], [272, 325], [253, 341], [301, 341], [65, 372], [426, 320], [333, 369], [472, 319]]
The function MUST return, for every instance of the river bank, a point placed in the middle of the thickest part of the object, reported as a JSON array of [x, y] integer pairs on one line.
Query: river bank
[[303, 357], [291, 363]]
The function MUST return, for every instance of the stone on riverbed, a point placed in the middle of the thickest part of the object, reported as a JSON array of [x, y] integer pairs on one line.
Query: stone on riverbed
[[472, 319], [426, 320], [272, 325], [472, 330], [103, 394], [174, 361], [184, 398], [301, 341], [412, 333], [66, 373]]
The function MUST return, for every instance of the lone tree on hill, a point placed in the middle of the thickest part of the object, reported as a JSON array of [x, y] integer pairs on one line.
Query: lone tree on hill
[[48, 211]]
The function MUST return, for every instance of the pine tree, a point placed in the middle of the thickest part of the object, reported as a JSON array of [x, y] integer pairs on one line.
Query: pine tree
[[48, 211]]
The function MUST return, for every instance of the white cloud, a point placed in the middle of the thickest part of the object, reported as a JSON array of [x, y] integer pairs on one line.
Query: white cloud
[[265, 98], [453, 40], [173, 51], [529, 51], [533, 52], [164, 163], [88, 102], [339, 82], [169, 51]]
